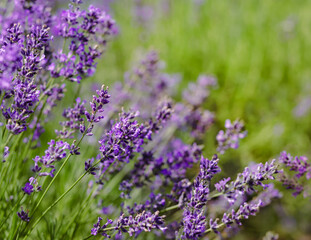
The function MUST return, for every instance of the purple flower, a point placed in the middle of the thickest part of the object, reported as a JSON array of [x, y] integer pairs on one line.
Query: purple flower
[[154, 203], [6, 153], [101, 229], [222, 184], [23, 215], [28, 189], [88, 32], [231, 137], [235, 216], [127, 137], [55, 152], [193, 218], [77, 115], [248, 179], [145, 221], [296, 164]]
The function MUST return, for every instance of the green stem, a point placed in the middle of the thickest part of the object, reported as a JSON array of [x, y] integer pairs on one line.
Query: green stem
[[50, 184], [218, 226], [12, 209], [8, 139], [105, 229], [58, 172], [64, 194], [78, 213], [17, 230], [213, 195], [8, 164], [78, 92], [53, 204]]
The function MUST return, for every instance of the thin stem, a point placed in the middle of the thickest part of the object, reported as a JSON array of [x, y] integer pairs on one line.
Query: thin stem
[[12, 209], [170, 208], [53, 204], [18, 230], [50, 184], [218, 226], [64, 194], [8, 139], [58, 172], [105, 229], [7, 166], [84, 205], [215, 194], [78, 92]]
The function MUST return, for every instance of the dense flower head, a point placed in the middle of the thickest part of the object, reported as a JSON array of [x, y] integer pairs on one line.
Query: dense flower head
[[118, 145], [231, 137], [154, 203], [23, 215], [246, 181], [296, 164], [244, 211], [99, 100], [55, 152], [78, 114], [24, 51], [28, 189], [194, 221], [101, 229], [87, 33], [144, 221], [127, 137], [75, 117]]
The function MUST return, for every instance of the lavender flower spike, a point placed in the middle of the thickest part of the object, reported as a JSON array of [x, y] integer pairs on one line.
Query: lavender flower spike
[[194, 220], [231, 137], [145, 221], [23, 215]]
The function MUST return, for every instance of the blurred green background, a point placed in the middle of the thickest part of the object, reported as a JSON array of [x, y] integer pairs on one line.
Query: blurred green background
[[258, 50]]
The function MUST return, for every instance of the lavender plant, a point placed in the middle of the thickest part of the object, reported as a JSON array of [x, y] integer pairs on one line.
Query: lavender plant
[[135, 172]]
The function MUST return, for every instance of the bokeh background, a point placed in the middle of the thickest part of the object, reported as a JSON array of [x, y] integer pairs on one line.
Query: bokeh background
[[260, 53]]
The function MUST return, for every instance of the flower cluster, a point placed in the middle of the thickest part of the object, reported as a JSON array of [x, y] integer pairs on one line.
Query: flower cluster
[[78, 115], [55, 152], [231, 137], [144, 221], [87, 33], [193, 218], [298, 165], [246, 181]]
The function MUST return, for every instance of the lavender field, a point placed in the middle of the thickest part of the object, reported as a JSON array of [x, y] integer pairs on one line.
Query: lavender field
[[167, 119]]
